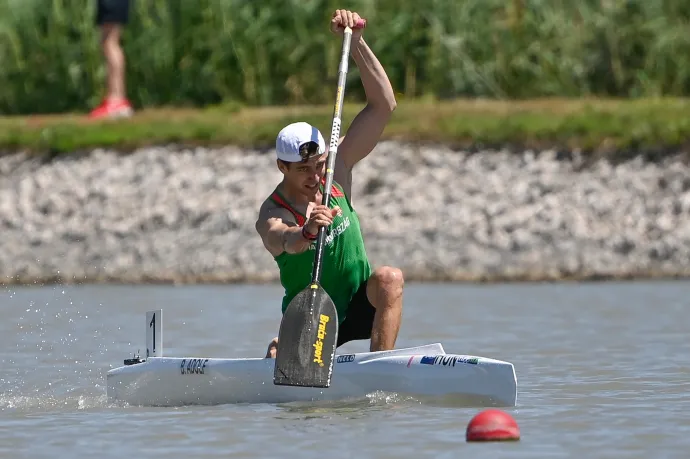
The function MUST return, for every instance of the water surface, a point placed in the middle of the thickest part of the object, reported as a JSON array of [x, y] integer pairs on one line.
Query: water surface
[[603, 371]]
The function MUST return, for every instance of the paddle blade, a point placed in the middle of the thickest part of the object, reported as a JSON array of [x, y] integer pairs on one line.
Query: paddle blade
[[307, 340]]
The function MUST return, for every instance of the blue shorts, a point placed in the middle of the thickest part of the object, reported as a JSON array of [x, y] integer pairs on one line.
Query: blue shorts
[[112, 12]]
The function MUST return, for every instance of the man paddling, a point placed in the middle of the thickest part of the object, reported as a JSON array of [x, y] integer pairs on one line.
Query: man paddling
[[369, 302]]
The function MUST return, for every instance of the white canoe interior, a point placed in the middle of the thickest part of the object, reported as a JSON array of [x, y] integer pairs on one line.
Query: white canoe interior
[[422, 371]]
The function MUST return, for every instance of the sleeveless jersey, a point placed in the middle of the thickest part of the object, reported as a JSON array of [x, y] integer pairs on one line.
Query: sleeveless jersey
[[345, 266]]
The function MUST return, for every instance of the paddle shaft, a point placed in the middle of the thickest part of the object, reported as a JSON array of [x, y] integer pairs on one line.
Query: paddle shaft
[[308, 334], [332, 150]]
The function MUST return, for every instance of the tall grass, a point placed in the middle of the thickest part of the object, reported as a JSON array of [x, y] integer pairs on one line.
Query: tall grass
[[198, 52]]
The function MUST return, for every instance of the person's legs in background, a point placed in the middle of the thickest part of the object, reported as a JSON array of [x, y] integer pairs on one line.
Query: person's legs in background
[[111, 16]]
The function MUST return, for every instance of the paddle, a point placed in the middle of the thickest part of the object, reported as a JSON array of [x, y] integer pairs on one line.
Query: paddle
[[308, 332]]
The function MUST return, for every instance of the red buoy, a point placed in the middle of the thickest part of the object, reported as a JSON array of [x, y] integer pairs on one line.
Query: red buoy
[[492, 425]]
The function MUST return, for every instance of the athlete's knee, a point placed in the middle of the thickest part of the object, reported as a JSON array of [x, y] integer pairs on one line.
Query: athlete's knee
[[388, 277], [387, 283], [272, 348]]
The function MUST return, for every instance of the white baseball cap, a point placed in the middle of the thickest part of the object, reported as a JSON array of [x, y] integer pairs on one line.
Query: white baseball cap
[[293, 136]]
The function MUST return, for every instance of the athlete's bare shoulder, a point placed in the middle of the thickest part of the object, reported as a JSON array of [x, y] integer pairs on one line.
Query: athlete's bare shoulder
[[270, 213], [270, 224]]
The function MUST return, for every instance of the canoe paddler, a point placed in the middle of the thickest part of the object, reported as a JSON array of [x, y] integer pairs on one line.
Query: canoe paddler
[[368, 301]]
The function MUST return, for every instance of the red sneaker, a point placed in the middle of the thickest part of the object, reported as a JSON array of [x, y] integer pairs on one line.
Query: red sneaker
[[112, 109]]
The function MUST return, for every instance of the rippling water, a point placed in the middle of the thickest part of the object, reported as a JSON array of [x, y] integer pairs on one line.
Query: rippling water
[[603, 371]]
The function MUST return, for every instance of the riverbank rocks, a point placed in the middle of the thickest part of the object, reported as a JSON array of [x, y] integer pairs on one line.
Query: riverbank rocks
[[187, 215]]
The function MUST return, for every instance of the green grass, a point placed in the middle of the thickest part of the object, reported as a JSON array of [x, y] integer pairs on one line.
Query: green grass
[[278, 52], [618, 127]]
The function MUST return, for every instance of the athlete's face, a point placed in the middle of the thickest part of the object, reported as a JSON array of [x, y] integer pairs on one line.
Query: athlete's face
[[304, 177]]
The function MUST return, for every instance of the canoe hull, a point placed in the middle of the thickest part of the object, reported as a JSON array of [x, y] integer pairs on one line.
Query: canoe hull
[[425, 371]]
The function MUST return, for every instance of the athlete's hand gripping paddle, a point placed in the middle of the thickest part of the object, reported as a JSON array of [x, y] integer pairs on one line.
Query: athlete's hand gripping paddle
[[308, 332]]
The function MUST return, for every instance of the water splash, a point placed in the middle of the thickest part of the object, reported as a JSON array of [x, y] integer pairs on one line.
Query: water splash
[[54, 343], [24, 403]]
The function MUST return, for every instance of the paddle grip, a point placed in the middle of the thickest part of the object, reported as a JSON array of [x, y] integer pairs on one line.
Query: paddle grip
[[360, 24]]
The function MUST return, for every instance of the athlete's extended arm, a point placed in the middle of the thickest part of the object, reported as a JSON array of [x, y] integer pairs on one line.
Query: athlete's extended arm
[[367, 127]]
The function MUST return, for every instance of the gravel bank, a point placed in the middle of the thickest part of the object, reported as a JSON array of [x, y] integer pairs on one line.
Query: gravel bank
[[187, 215]]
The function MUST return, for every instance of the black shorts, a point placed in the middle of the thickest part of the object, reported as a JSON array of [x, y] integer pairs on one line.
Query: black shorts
[[112, 11], [359, 319]]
